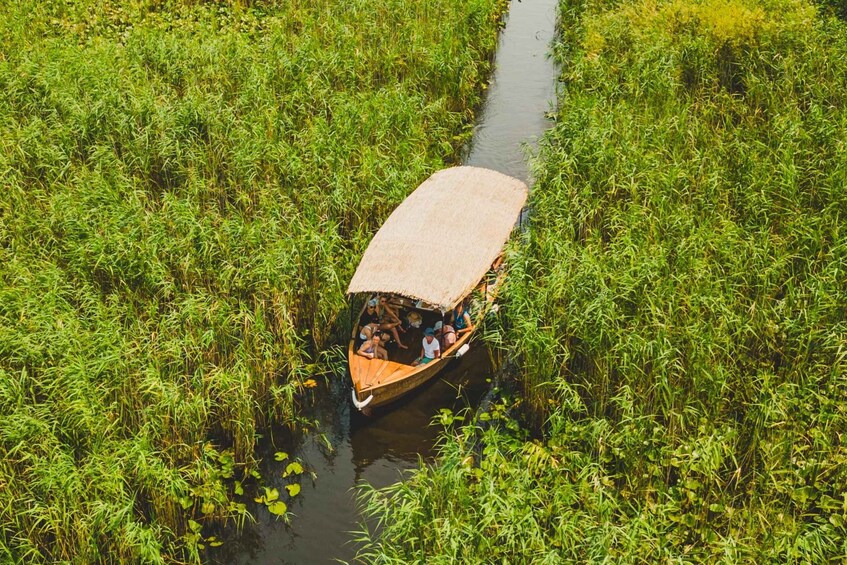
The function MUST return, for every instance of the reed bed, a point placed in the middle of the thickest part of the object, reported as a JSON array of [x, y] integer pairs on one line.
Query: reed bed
[[677, 308], [187, 186]]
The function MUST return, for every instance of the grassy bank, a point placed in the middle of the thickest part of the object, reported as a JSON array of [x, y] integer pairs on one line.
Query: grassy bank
[[186, 190], [678, 308]]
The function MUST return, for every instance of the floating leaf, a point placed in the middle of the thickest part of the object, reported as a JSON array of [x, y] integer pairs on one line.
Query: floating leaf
[[186, 502], [208, 508], [277, 508], [310, 383], [216, 543], [271, 494], [260, 499], [238, 488], [280, 456], [294, 468], [194, 526], [293, 490]]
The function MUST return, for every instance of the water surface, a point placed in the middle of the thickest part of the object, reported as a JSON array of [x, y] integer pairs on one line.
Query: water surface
[[378, 450]]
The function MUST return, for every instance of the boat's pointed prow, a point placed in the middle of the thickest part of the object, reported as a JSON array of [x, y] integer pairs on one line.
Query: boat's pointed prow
[[360, 405]]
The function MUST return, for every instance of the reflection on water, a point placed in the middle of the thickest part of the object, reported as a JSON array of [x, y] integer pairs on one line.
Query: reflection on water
[[522, 92], [379, 449]]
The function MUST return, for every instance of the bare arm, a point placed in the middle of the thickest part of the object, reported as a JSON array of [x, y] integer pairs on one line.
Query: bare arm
[[468, 324], [363, 353], [391, 313]]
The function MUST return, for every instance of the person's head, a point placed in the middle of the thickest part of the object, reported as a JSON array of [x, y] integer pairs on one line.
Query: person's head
[[460, 307], [429, 335], [376, 339], [383, 300], [438, 325], [371, 304]]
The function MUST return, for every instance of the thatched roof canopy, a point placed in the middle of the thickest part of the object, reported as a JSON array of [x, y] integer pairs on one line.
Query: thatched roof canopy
[[439, 243]]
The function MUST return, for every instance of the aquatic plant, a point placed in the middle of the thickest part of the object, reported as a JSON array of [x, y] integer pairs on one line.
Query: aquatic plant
[[186, 186], [677, 307]]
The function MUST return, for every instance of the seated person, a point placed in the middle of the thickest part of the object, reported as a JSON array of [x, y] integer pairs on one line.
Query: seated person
[[366, 332], [446, 335], [372, 349], [368, 317], [387, 313], [388, 319], [461, 320], [430, 349]]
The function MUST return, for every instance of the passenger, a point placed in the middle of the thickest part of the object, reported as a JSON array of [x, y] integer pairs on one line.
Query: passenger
[[430, 349], [389, 320], [387, 313], [368, 331], [372, 349], [461, 320], [446, 335], [369, 317]]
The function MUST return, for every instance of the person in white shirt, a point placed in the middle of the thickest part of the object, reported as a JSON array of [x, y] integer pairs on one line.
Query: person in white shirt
[[430, 349]]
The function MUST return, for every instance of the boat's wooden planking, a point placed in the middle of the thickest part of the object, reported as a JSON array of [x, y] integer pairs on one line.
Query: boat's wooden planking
[[387, 381]]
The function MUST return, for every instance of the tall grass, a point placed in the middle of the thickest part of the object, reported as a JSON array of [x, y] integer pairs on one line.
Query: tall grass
[[186, 188], [678, 308]]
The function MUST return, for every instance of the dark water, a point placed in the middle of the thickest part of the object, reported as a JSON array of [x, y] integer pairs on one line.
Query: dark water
[[349, 448]]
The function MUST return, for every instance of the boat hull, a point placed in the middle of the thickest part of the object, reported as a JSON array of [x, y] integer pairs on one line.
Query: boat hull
[[377, 383], [391, 381]]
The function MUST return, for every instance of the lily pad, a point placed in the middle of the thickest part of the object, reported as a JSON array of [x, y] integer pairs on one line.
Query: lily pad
[[280, 456], [293, 490], [271, 494], [239, 490], [277, 508], [294, 468]]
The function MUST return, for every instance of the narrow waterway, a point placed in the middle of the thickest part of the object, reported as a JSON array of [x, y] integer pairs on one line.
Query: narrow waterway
[[349, 448]]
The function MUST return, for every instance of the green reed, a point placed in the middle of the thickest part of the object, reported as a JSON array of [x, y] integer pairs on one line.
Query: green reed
[[187, 187], [677, 307]]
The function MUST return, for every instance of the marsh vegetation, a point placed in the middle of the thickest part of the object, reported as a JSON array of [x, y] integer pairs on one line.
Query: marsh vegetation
[[676, 309], [186, 188]]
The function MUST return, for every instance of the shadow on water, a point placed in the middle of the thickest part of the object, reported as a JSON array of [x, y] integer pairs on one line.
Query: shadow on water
[[349, 448]]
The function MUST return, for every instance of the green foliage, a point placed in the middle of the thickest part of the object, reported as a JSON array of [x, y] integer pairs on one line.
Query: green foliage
[[186, 187], [677, 309]]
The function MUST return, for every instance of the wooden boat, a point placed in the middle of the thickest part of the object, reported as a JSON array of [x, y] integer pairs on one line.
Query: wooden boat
[[436, 250]]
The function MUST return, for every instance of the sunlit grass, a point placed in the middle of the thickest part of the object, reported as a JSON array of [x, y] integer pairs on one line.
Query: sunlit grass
[[677, 307], [186, 189]]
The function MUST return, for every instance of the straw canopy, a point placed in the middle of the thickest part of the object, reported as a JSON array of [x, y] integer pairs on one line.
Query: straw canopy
[[439, 243]]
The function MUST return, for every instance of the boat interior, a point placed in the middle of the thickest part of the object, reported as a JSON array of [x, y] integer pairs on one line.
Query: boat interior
[[410, 335]]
